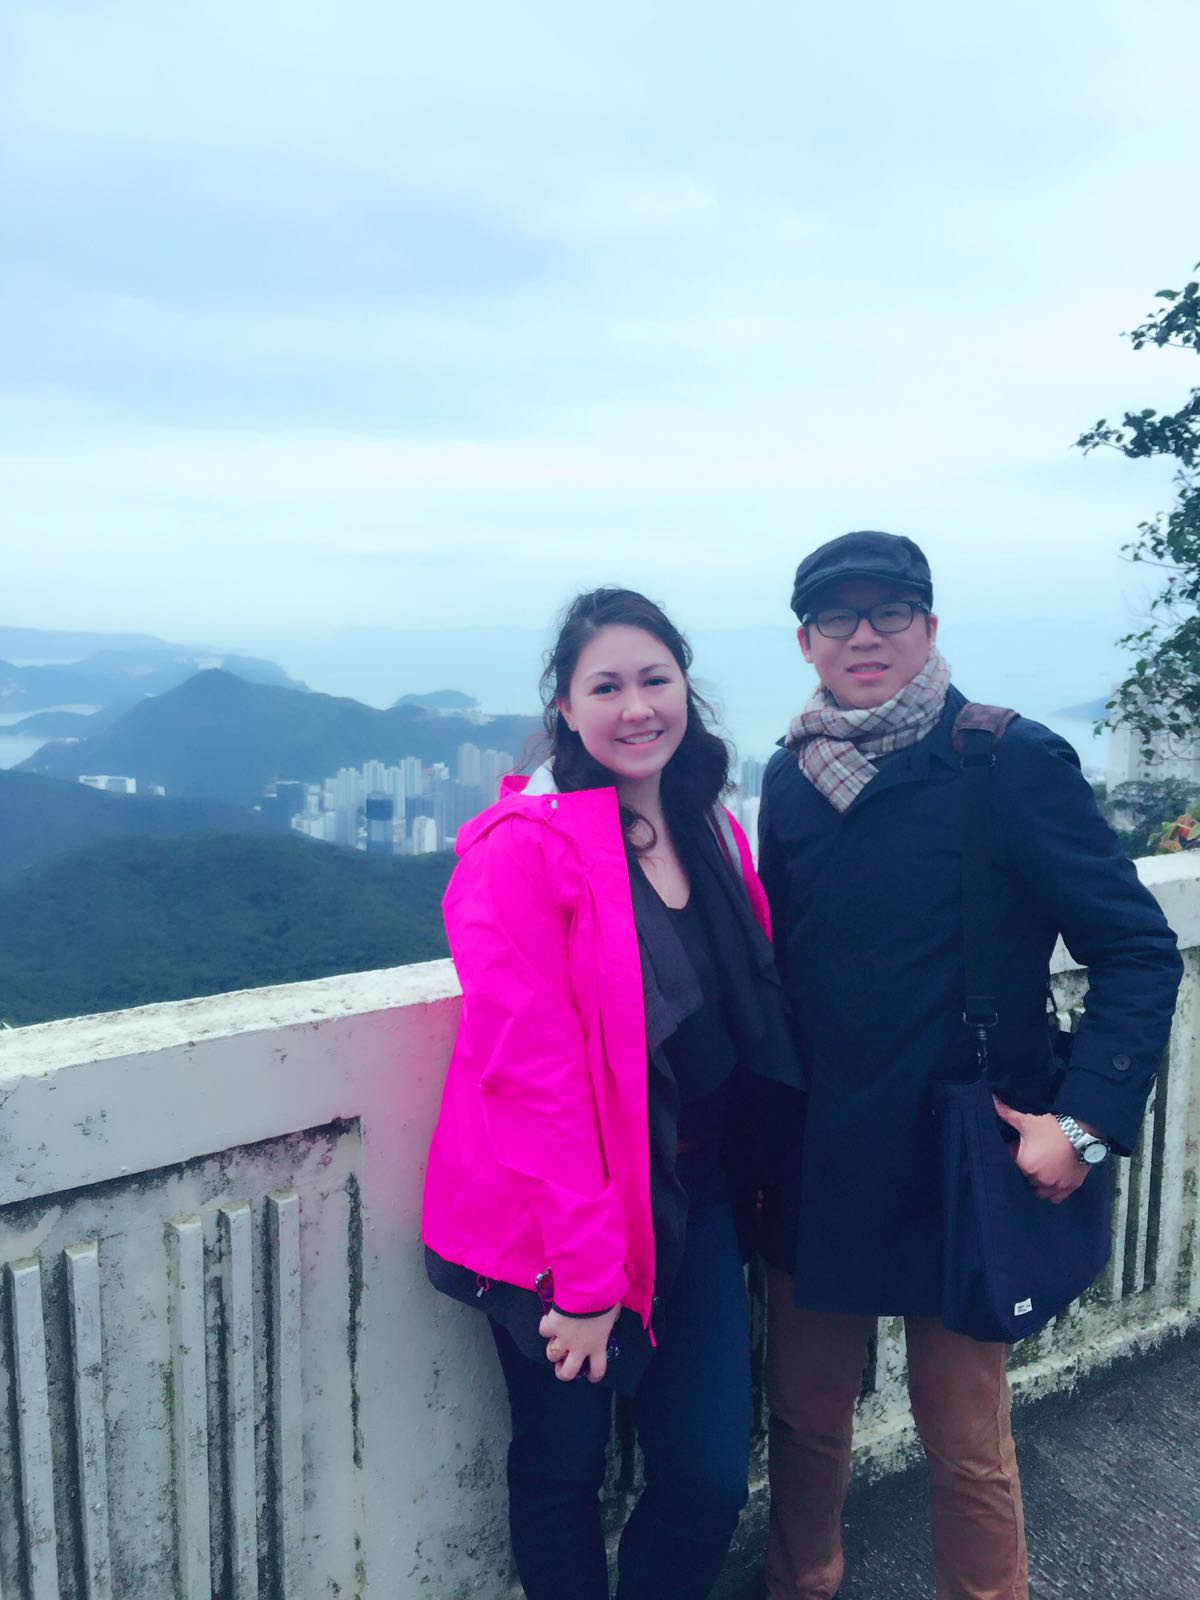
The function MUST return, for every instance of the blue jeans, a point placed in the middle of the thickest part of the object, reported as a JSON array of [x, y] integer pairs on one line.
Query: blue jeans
[[692, 1416]]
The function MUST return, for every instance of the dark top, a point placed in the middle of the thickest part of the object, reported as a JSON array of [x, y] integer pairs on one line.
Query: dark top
[[866, 906], [701, 1052]]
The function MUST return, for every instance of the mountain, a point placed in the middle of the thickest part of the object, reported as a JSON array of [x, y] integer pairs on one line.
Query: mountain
[[440, 700], [56, 644], [42, 817], [65, 724], [119, 677], [132, 921], [218, 737]]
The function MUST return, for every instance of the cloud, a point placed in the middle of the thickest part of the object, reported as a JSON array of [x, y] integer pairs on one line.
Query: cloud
[[314, 293]]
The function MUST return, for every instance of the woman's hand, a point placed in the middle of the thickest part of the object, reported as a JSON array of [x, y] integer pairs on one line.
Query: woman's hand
[[570, 1341], [1044, 1154]]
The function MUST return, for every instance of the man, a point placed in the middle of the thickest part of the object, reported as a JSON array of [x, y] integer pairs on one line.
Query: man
[[860, 852]]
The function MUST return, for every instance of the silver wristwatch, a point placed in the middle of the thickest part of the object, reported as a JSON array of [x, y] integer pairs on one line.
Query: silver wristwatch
[[1088, 1147]]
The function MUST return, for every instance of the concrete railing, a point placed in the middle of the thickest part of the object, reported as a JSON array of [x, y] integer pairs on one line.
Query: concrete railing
[[222, 1372]]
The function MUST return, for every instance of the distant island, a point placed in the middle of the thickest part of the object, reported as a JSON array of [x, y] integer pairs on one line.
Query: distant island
[[440, 700]]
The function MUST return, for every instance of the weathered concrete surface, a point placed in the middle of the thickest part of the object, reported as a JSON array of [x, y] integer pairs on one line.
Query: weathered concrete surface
[[1111, 1474]]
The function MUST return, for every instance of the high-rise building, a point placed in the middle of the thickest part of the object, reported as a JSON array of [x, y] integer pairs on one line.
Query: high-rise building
[[1169, 757], [750, 780], [494, 765], [463, 801], [424, 836], [747, 815], [380, 811], [470, 765], [374, 776], [417, 805], [345, 826], [347, 789], [414, 776], [284, 802], [440, 798]]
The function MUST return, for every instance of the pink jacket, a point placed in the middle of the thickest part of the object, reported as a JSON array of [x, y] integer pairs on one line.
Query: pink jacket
[[541, 1153]]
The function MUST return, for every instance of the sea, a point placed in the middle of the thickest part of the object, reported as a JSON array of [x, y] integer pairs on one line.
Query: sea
[[18, 747]]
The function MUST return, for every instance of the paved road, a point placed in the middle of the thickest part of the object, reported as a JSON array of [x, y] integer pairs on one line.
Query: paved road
[[1111, 1475]]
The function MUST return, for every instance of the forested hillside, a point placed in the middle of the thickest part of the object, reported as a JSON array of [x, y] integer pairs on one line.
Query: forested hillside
[[131, 921], [42, 817]]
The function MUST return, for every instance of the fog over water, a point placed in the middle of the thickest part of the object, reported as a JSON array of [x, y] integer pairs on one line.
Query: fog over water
[[755, 677], [15, 748]]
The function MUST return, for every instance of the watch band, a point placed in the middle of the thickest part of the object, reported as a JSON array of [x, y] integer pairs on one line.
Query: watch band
[[1081, 1140]]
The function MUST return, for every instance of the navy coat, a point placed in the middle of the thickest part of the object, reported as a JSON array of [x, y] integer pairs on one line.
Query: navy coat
[[866, 908]]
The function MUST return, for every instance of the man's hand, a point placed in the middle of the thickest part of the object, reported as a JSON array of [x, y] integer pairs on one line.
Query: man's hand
[[1044, 1153], [573, 1340]]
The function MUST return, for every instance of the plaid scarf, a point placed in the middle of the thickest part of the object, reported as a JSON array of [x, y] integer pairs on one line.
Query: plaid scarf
[[834, 747]]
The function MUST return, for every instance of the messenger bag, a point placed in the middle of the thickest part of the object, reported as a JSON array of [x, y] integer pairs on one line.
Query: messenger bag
[[1012, 1262]]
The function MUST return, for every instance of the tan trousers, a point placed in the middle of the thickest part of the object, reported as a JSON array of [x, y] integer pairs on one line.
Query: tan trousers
[[959, 1395]]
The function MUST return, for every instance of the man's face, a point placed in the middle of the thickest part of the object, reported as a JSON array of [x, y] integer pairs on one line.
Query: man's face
[[869, 667]]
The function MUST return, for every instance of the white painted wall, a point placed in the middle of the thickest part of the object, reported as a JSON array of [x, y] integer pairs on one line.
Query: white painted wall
[[152, 1163]]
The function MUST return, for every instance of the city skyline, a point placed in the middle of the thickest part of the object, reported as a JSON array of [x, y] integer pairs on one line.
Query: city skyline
[[413, 808]]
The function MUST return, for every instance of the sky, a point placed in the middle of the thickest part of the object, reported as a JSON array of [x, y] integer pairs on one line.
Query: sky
[[376, 316]]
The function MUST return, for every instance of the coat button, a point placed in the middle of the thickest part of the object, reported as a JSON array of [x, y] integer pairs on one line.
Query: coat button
[[1122, 1063]]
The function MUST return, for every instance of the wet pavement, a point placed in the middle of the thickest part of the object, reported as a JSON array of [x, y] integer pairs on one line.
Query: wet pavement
[[1111, 1478]]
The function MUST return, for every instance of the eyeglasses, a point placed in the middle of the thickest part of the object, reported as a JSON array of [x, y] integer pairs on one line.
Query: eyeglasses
[[889, 616]]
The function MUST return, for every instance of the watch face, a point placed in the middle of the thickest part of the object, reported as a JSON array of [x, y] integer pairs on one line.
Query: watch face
[[1094, 1152]]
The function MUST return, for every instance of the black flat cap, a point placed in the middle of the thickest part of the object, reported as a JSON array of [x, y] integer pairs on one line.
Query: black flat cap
[[889, 557]]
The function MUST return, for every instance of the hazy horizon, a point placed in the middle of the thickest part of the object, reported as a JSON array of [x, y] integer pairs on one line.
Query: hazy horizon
[[755, 677], [380, 317]]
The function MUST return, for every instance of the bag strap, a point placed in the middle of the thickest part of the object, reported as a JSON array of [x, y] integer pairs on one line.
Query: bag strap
[[977, 731]]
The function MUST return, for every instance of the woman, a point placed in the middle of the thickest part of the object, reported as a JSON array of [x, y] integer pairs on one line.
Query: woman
[[622, 1031]]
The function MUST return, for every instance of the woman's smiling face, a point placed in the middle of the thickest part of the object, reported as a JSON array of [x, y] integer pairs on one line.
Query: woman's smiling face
[[627, 702]]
